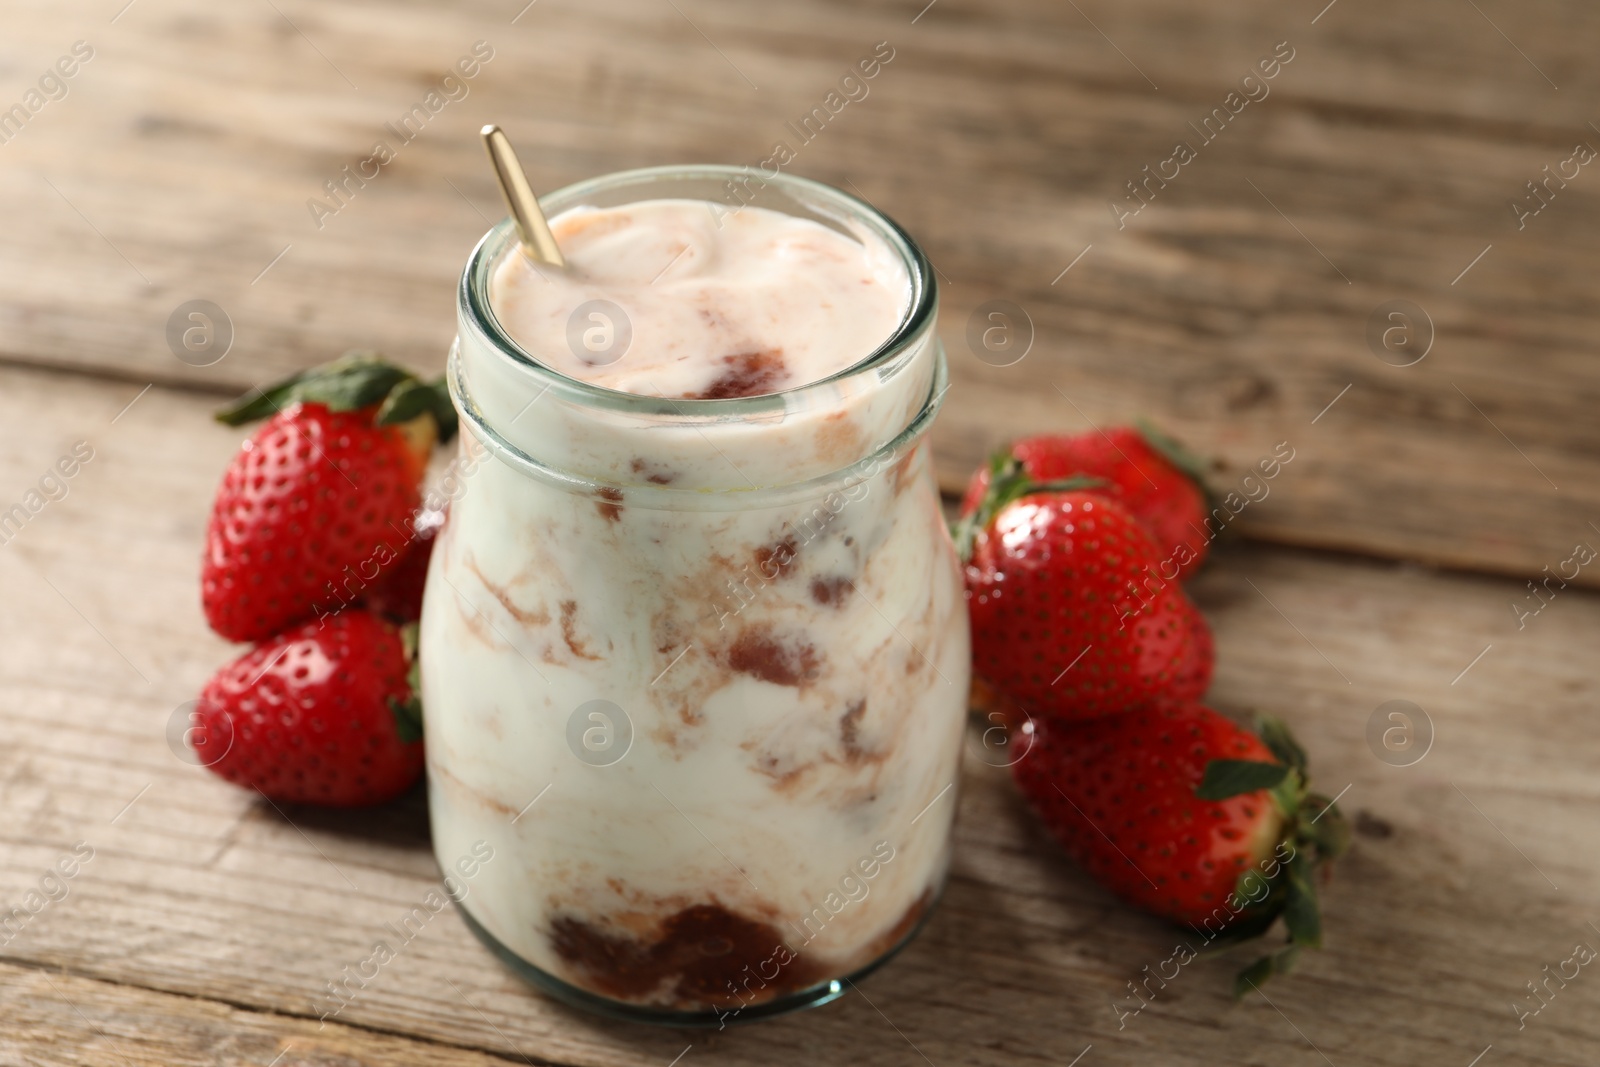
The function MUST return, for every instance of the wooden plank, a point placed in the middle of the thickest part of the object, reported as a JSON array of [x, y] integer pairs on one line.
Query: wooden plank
[[64, 1019], [1477, 868], [1386, 154]]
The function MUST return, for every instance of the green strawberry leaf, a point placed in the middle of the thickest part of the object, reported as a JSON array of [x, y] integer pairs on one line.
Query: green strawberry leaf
[[1230, 777], [406, 401], [1276, 736], [353, 381], [411, 398], [1247, 889], [1261, 971], [1251, 923], [1300, 912], [1289, 795], [407, 718], [1252, 977], [444, 409], [1327, 828], [260, 403], [408, 712]]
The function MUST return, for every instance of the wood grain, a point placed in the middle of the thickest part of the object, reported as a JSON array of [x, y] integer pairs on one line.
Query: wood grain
[[1233, 308], [207, 921], [78, 1022]]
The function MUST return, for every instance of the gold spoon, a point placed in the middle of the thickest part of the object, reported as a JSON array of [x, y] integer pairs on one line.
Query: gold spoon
[[538, 243]]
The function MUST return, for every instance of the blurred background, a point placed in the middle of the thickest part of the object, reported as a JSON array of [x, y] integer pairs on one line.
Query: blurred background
[[314, 172]]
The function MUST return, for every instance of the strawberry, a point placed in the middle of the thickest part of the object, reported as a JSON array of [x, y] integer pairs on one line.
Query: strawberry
[[318, 503], [397, 594], [1187, 815], [1152, 475], [323, 714], [1193, 675], [1068, 616]]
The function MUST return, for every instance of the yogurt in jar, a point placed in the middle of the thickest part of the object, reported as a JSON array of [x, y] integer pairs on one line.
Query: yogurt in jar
[[717, 306], [694, 648]]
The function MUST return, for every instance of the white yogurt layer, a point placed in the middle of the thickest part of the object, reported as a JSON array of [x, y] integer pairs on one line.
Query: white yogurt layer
[[719, 303]]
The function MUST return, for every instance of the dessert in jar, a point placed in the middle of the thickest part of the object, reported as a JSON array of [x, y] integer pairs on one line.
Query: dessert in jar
[[694, 652]]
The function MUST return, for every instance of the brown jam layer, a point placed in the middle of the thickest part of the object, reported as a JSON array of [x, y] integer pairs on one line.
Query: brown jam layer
[[704, 955]]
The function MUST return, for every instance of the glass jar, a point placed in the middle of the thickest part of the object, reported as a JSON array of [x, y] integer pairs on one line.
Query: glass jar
[[695, 671]]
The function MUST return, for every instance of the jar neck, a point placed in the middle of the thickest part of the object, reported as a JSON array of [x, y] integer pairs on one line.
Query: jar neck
[[579, 434], [576, 453]]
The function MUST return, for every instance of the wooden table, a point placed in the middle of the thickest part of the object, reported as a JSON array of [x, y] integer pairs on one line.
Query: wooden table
[[1235, 308]]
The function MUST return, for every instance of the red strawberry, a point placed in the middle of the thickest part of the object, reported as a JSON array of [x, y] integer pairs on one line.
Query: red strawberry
[[1194, 676], [323, 714], [397, 595], [1189, 816], [1068, 616], [1152, 475], [318, 503]]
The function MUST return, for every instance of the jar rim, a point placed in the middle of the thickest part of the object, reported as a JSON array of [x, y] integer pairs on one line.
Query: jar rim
[[476, 312]]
